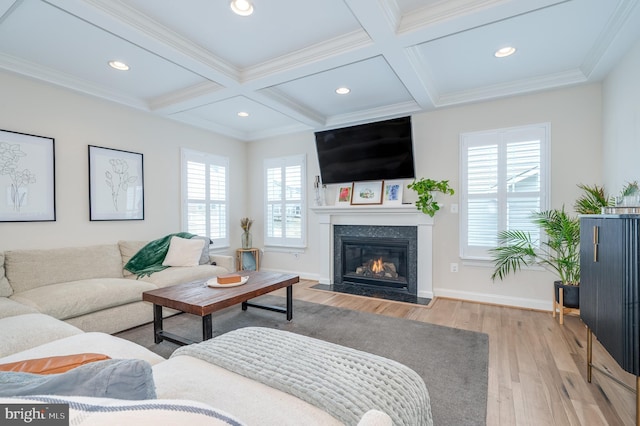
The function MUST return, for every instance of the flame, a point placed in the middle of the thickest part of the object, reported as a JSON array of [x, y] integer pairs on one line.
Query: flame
[[376, 267]]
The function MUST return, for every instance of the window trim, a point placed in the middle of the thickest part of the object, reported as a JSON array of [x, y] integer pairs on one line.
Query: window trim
[[208, 159], [481, 254], [283, 162]]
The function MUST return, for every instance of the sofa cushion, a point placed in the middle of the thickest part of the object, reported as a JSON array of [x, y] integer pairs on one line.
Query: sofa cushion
[[5, 288], [75, 298], [88, 411], [127, 250], [22, 332], [103, 343], [183, 274], [52, 364], [9, 308], [29, 269], [113, 378], [183, 252]]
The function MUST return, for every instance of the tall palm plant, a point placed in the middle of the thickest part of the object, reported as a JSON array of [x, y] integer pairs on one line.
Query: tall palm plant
[[558, 253]]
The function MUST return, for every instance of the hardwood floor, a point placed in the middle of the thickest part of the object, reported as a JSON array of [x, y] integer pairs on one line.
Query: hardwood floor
[[537, 368]]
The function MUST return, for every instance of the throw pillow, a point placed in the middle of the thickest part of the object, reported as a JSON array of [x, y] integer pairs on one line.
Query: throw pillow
[[204, 256], [54, 364], [115, 378], [183, 252]]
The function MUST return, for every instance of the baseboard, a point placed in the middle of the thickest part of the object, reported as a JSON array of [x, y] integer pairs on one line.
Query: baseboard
[[496, 299], [302, 275]]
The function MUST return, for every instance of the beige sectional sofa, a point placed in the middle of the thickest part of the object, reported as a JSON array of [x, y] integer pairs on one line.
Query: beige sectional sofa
[[87, 286], [69, 301]]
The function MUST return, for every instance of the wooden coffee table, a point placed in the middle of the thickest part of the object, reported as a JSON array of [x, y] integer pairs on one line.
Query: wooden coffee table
[[198, 299]]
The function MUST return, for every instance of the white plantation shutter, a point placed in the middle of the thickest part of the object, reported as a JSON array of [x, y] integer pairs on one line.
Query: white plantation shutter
[[285, 200], [205, 196], [504, 178]]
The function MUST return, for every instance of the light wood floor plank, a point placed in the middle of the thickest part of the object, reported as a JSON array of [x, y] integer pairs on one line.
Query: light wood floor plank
[[537, 368]]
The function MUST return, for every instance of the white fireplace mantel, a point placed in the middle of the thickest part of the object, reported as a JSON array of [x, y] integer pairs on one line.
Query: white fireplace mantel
[[378, 215]]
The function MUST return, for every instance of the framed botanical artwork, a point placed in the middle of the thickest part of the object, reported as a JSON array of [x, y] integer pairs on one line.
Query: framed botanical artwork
[[116, 184], [392, 192], [367, 193], [343, 194], [27, 178]]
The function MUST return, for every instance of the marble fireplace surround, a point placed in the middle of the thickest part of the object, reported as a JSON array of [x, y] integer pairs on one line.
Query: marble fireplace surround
[[377, 215]]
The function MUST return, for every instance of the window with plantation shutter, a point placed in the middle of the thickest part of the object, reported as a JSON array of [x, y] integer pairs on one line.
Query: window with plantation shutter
[[205, 203], [504, 178], [285, 201]]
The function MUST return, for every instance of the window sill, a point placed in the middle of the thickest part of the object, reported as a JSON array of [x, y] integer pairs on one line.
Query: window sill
[[284, 249]]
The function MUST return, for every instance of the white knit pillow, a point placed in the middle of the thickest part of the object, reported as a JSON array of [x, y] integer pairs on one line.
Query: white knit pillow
[[183, 252]]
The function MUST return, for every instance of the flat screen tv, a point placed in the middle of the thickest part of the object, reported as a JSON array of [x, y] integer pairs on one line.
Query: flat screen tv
[[375, 151]]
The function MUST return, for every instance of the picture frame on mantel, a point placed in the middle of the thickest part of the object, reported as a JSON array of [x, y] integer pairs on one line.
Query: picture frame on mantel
[[116, 184], [27, 178], [366, 193], [392, 195], [343, 195]]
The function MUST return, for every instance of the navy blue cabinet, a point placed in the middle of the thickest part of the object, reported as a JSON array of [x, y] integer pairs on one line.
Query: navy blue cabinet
[[609, 284]]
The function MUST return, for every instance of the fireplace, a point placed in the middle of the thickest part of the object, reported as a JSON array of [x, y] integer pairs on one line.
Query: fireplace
[[384, 257], [375, 261], [333, 220]]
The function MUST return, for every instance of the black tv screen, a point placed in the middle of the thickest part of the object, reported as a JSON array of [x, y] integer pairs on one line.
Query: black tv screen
[[373, 151]]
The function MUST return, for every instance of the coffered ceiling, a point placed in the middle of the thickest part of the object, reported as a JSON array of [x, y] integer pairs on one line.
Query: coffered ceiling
[[197, 62]]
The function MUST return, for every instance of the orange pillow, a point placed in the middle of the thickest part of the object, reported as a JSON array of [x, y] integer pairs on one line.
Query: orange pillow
[[54, 364]]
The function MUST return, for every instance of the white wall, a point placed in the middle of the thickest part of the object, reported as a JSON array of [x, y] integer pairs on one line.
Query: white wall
[[621, 123], [76, 121], [306, 263], [575, 117]]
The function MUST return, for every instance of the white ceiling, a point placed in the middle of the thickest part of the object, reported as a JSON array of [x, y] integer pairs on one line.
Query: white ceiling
[[196, 62]]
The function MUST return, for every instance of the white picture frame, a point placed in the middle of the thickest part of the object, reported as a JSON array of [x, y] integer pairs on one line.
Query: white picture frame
[[116, 184], [393, 190]]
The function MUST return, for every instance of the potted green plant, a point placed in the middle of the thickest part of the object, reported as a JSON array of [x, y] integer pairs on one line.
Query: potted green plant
[[629, 194], [558, 253], [593, 199], [425, 189]]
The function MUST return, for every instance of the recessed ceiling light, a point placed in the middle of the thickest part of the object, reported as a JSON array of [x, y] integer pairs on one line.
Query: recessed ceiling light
[[242, 7], [243, 114], [342, 90], [118, 65], [504, 52]]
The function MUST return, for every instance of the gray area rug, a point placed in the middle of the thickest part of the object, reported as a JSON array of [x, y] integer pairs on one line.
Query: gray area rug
[[452, 362]]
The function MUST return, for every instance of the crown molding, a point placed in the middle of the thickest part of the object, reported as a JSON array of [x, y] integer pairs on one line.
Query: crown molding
[[164, 37], [286, 106], [317, 53], [608, 35], [39, 72], [519, 87], [386, 112], [185, 95], [443, 11]]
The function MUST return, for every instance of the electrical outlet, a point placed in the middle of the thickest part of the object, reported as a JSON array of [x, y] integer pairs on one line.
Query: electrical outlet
[[454, 267]]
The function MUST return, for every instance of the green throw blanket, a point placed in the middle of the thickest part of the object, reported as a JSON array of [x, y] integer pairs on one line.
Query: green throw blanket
[[150, 257]]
